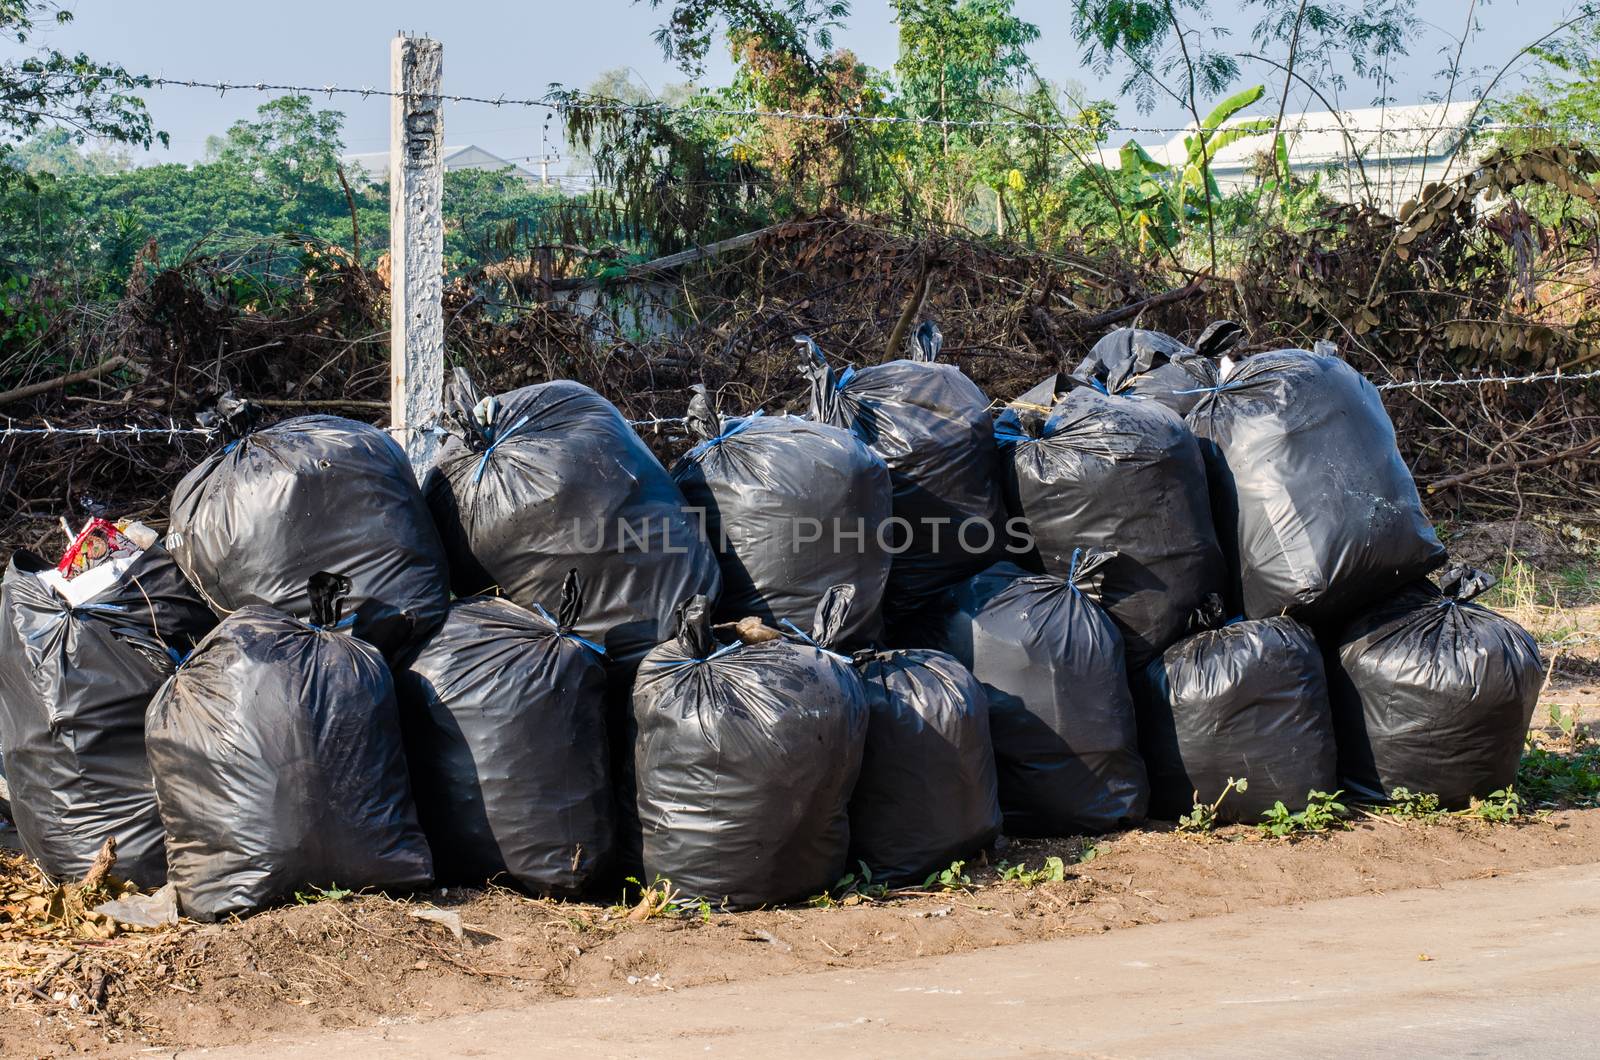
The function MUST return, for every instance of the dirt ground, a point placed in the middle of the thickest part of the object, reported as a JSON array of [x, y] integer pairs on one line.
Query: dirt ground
[[365, 960]]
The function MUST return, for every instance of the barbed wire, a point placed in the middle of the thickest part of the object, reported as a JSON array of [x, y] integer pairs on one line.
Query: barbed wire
[[1491, 380], [172, 432], [557, 102]]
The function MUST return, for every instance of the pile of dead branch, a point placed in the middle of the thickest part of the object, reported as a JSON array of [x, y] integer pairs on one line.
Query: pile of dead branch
[[1461, 282], [61, 958]]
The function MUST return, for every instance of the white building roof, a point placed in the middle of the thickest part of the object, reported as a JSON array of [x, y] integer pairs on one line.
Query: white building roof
[[1396, 146], [374, 165]]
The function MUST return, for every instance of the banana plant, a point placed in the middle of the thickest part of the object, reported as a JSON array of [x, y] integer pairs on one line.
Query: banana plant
[[1163, 199]]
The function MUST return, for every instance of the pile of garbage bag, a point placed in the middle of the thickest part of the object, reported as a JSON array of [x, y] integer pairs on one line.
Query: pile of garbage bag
[[548, 479], [1136, 363], [1315, 508], [878, 635], [279, 765], [255, 520], [793, 507], [1060, 711], [932, 426], [1123, 476], [1248, 701], [747, 756], [1433, 693], [79, 662], [928, 793], [503, 711]]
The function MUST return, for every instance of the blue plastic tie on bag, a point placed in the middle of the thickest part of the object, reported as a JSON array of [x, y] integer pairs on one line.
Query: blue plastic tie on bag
[[673, 663], [115, 609], [1072, 570], [739, 425], [1007, 433], [539, 610], [798, 632], [483, 462], [74, 609]]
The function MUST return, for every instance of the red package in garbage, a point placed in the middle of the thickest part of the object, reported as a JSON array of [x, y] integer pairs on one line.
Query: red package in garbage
[[98, 539]]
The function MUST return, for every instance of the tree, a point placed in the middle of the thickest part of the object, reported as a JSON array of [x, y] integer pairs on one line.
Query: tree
[[50, 88], [621, 83], [800, 29], [1161, 199], [288, 146], [489, 215], [56, 152], [1161, 42], [1563, 91], [43, 91], [1560, 104], [679, 178], [957, 59]]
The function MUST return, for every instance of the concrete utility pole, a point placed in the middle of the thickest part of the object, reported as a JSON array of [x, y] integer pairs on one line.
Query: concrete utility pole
[[416, 242]]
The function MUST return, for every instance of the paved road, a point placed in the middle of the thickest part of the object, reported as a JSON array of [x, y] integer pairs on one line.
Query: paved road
[[1511, 971]]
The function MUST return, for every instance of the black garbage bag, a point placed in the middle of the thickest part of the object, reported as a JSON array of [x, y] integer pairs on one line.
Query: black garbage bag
[[928, 794], [279, 764], [1248, 701], [1314, 506], [74, 685], [1433, 693], [747, 756], [1136, 363], [504, 717], [1109, 473], [932, 427], [549, 479], [253, 522], [1060, 712], [792, 507]]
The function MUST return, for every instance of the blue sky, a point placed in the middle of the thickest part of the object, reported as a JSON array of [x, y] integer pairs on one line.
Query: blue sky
[[517, 48]]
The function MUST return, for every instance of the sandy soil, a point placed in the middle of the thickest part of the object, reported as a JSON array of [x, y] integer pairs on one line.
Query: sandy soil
[[369, 960]]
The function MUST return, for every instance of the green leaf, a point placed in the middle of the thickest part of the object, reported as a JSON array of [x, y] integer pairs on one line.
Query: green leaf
[[1232, 105], [1135, 159]]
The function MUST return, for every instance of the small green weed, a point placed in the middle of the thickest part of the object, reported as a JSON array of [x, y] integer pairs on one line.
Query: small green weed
[[951, 879], [1501, 807], [1580, 584], [1566, 722], [1559, 777], [1412, 805], [1203, 818], [1323, 811], [334, 893], [1054, 870], [854, 888], [662, 900]]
